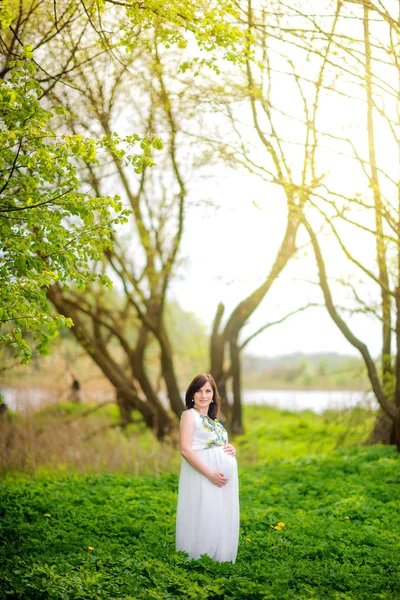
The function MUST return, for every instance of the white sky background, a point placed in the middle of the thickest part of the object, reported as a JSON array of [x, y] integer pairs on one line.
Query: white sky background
[[235, 221], [226, 249], [229, 246]]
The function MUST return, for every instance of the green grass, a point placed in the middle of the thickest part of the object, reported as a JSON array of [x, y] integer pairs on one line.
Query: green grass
[[340, 540], [273, 433]]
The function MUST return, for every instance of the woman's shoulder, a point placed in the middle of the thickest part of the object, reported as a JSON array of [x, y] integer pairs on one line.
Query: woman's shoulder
[[190, 413]]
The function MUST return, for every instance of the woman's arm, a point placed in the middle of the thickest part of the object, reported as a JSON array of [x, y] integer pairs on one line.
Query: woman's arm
[[186, 437]]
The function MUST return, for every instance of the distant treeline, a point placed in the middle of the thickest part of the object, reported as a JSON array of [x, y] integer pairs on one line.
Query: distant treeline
[[321, 370]]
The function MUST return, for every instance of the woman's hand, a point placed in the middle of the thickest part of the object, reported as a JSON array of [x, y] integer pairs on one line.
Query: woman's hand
[[229, 449], [218, 478]]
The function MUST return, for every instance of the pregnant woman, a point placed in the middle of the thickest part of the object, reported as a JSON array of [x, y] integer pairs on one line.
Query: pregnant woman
[[207, 520]]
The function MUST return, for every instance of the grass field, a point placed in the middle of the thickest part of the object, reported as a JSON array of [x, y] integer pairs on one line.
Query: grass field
[[110, 535]]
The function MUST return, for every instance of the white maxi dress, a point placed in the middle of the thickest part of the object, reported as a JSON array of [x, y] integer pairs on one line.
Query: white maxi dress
[[207, 519]]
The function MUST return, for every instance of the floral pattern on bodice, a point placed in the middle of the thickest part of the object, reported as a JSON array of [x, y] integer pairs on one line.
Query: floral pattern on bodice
[[220, 437], [207, 432]]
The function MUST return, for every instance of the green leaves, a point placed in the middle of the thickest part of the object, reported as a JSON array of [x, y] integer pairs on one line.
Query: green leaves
[[124, 149], [50, 229], [213, 25]]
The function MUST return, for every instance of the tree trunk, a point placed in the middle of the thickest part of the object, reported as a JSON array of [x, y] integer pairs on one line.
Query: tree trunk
[[387, 405], [238, 319], [217, 356], [154, 414], [395, 433], [126, 404], [168, 373], [162, 423], [236, 421], [380, 238], [383, 431]]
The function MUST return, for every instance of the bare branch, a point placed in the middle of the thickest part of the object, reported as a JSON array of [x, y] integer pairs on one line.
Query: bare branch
[[278, 322]]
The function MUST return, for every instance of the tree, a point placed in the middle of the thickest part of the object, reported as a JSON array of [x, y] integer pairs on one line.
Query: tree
[[50, 229], [143, 264], [78, 51], [332, 70], [361, 225], [268, 152]]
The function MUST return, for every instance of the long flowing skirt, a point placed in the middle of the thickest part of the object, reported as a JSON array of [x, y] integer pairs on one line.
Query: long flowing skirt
[[207, 519]]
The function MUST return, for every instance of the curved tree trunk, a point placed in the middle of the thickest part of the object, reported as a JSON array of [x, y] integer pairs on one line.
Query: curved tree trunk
[[237, 424], [168, 373], [380, 432], [236, 322], [217, 357], [384, 428], [162, 424]]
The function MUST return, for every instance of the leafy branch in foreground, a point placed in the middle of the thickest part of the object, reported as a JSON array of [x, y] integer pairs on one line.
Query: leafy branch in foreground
[[50, 229]]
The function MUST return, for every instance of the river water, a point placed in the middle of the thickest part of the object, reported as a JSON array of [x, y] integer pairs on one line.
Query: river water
[[315, 400], [296, 400]]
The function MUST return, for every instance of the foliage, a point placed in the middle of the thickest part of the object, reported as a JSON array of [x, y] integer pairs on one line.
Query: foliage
[[52, 373], [211, 23], [112, 536], [57, 231], [39, 189], [39, 180], [99, 71], [50, 229]]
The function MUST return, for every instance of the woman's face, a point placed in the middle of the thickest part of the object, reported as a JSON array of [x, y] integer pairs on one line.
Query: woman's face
[[203, 397]]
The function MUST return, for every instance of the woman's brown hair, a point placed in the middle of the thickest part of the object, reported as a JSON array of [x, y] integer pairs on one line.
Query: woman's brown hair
[[194, 387]]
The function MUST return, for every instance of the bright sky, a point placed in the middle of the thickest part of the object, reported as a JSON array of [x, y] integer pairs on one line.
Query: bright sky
[[229, 252], [230, 246]]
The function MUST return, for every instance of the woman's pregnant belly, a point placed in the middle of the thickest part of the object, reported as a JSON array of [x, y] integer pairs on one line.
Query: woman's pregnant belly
[[226, 463]]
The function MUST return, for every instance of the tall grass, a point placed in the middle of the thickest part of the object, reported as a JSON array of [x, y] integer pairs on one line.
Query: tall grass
[[69, 438], [84, 439]]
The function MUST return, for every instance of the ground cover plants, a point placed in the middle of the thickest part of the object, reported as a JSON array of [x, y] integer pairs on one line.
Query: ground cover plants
[[112, 536]]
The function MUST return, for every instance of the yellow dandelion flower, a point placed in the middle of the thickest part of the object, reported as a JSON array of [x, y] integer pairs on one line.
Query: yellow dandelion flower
[[347, 517], [248, 540], [281, 524], [90, 548], [277, 527], [47, 515]]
